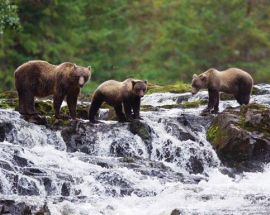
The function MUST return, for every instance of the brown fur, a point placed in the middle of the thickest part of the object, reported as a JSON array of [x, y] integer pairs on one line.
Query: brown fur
[[233, 81], [40, 79], [117, 94]]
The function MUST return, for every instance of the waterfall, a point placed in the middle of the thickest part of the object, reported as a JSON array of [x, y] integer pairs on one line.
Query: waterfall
[[110, 169]]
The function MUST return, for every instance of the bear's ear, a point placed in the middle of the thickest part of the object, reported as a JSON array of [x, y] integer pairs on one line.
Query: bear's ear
[[146, 82], [133, 83], [90, 68], [194, 76], [204, 77], [74, 67]]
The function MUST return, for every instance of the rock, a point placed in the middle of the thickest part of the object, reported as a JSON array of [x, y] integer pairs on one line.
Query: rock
[[65, 190], [5, 128], [195, 165], [183, 98], [121, 148], [241, 137], [144, 131], [115, 184], [21, 208], [176, 212], [27, 187], [261, 89]]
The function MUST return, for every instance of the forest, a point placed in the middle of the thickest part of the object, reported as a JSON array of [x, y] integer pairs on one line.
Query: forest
[[163, 41]]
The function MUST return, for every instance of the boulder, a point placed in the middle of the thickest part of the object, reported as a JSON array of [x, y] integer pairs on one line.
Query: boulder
[[241, 136]]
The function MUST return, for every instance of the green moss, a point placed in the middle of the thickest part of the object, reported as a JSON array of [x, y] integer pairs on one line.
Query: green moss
[[8, 95], [193, 104], [226, 96], [178, 87], [216, 135], [212, 133], [58, 122], [44, 107]]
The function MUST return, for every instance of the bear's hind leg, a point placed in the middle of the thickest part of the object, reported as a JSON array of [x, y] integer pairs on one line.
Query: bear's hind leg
[[242, 99], [57, 102], [119, 112], [244, 91], [27, 103], [95, 105], [22, 109]]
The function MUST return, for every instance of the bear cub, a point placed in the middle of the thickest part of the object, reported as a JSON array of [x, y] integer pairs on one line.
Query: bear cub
[[118, 94], [38, 78], [233, 81]]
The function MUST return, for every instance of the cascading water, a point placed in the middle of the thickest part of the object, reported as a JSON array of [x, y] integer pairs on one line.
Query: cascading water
[[110, 169]]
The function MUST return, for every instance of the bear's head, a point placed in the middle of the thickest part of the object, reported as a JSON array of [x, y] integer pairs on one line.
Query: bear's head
[[199, 82], [139, 87], [81, 74]]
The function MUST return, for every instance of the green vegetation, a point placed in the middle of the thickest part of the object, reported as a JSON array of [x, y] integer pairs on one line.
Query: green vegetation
[[193, 104], [178, 87], [163, 41]]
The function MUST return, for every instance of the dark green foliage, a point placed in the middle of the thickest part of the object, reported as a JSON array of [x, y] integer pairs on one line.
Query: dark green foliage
[[161, 41]]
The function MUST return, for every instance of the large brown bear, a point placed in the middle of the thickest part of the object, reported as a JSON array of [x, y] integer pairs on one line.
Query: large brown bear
[[117, 94], [233, 81], [39, 78]]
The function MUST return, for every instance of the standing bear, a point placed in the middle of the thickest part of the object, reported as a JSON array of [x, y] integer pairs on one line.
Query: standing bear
[[40, 79], [233, 81], [117, 94]]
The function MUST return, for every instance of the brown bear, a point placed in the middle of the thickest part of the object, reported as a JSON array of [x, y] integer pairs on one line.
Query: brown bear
[[40, 78], [233, 81], [117, 94]]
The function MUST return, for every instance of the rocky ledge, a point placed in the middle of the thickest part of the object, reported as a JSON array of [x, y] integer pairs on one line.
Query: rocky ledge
[[241, 136]]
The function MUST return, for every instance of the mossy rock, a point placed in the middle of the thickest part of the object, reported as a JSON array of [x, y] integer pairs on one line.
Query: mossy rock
[[242, 135], [193, 104], [9, 95], [9, 103], [173, 88], [226, 96], [81, 111]]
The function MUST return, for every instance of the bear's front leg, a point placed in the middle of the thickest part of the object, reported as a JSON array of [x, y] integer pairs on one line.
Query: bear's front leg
[[127, 108], [216, 102], [72, 98], [136, 104], [211, 101], [119, 113], [57, 102]]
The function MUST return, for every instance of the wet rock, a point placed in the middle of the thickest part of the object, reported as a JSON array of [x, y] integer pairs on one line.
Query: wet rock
[[122, 148], [81, 137], [6, 165], [30, 171], [5, 128], [115, 184], [27, 186], [241, 136], [195, 123], [14, 208], [178, 131], [20, 161], [183, 98], [65, 190], [21, 208], [176, 212], [144, 131], [47, 182], [261, 89], [195, 165]]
